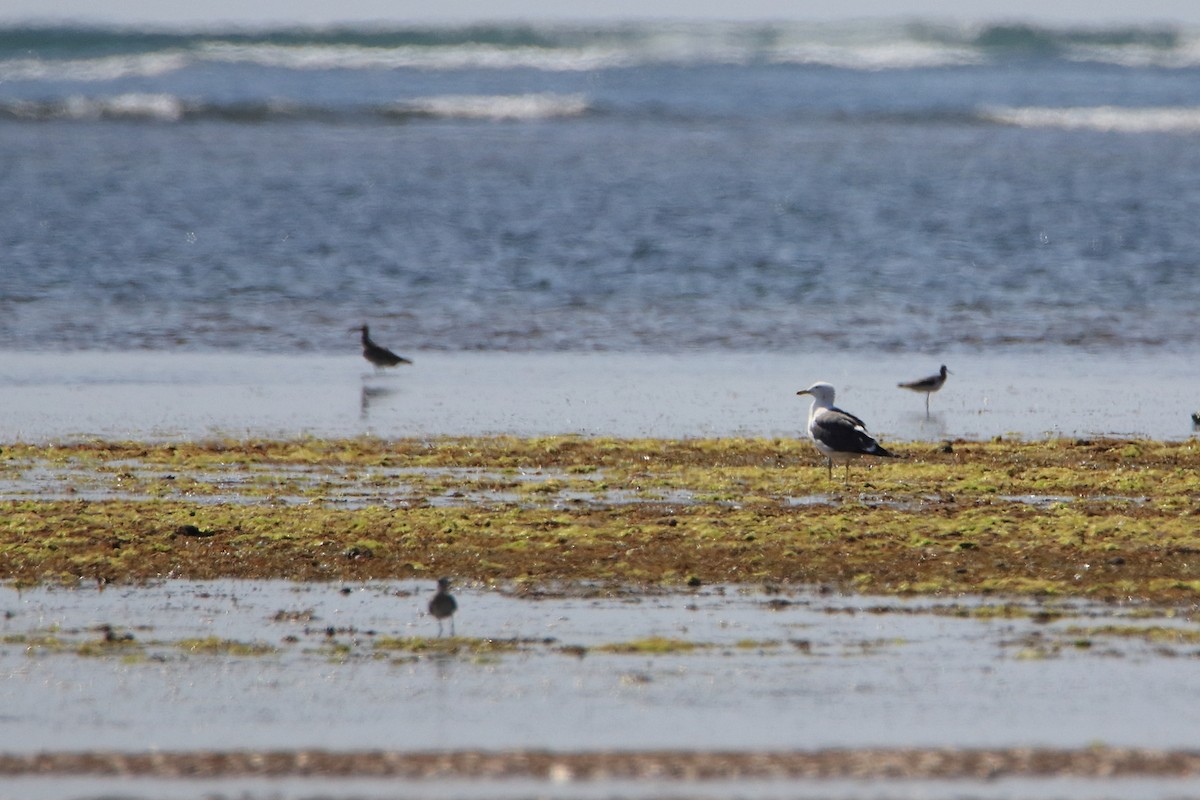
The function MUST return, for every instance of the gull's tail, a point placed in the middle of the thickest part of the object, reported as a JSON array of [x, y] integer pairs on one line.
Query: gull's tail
[[879, 450]]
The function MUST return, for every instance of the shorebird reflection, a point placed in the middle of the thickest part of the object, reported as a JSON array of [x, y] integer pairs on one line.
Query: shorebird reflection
[[371, 394]]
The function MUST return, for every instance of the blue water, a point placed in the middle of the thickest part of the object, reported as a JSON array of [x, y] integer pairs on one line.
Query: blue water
[[643, 188]]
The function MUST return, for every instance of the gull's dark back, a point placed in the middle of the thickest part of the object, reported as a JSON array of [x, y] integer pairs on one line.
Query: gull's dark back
[[849, 416], [846, 433]]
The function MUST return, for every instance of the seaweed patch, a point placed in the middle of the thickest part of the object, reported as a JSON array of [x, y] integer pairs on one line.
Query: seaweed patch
[[1102, 519]]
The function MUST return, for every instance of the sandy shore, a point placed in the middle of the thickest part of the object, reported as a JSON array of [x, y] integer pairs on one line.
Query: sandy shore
[[561, 768]]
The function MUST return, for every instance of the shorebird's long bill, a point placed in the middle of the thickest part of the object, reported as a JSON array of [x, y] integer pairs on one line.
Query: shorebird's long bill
[[804, 391]]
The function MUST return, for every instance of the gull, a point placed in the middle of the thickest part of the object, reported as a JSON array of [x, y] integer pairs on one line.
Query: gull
[[928, 385], [443, 605], [838, 435], [379, 356]]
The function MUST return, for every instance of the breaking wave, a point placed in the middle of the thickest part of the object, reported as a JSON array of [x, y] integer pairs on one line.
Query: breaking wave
[[170, 108], [1100, 118], [98, 54], [161, 107], [497, 107], [83, 70]]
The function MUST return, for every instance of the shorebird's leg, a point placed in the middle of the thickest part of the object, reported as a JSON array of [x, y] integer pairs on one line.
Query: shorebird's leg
[[829, 463]]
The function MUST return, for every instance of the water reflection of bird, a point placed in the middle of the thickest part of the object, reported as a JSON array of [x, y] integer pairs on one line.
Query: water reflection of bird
[[443, 605], [377, 355], [928, 385], [837, 434], [369, 394]]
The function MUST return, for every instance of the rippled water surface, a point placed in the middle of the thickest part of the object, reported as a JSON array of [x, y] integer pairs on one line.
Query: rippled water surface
[[895, 188]]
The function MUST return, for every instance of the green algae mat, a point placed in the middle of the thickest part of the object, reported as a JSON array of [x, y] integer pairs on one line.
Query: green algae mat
[[1104, 519]]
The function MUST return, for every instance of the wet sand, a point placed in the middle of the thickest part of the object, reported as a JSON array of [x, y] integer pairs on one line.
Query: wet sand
[[161, 396]]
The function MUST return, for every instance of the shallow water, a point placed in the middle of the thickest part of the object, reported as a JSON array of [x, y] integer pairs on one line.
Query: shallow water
[[803, 671], [366, 789], [154, 396], [772, 672]]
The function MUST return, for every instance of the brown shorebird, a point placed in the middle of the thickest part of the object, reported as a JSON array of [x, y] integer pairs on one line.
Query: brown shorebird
[[443, 605], [928, 385], [838, 435], [379, 356]]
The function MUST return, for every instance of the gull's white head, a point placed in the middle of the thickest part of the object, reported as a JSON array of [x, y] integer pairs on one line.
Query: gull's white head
[[822, 394]]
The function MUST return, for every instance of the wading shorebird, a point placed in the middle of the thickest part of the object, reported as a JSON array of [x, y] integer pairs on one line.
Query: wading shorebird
[[443, 605], [928, 385], [379, 356], [838, 435]]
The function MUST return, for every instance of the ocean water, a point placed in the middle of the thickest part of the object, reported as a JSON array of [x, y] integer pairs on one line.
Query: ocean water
[[878, 187]]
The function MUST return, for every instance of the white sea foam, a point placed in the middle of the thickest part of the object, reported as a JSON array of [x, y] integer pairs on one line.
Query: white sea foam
[[1184, 55], [876, 56], [466, 56], [868, 47], [857, 45], [162, 107], [109, 68], [678, 45], [499, 107], [1101, 118]]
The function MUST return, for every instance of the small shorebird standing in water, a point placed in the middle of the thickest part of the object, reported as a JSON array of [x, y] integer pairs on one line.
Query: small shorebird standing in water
[[928, 385], [443, 605], [838, 435], [379, 356]]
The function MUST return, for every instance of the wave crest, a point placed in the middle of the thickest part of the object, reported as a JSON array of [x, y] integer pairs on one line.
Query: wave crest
[[80, 54], [170, 108], [1100, 118], [158, 107], [498, 107], [87, 70]]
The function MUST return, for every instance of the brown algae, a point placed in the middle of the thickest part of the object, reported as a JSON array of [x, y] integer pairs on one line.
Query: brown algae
[[1105, 519]]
